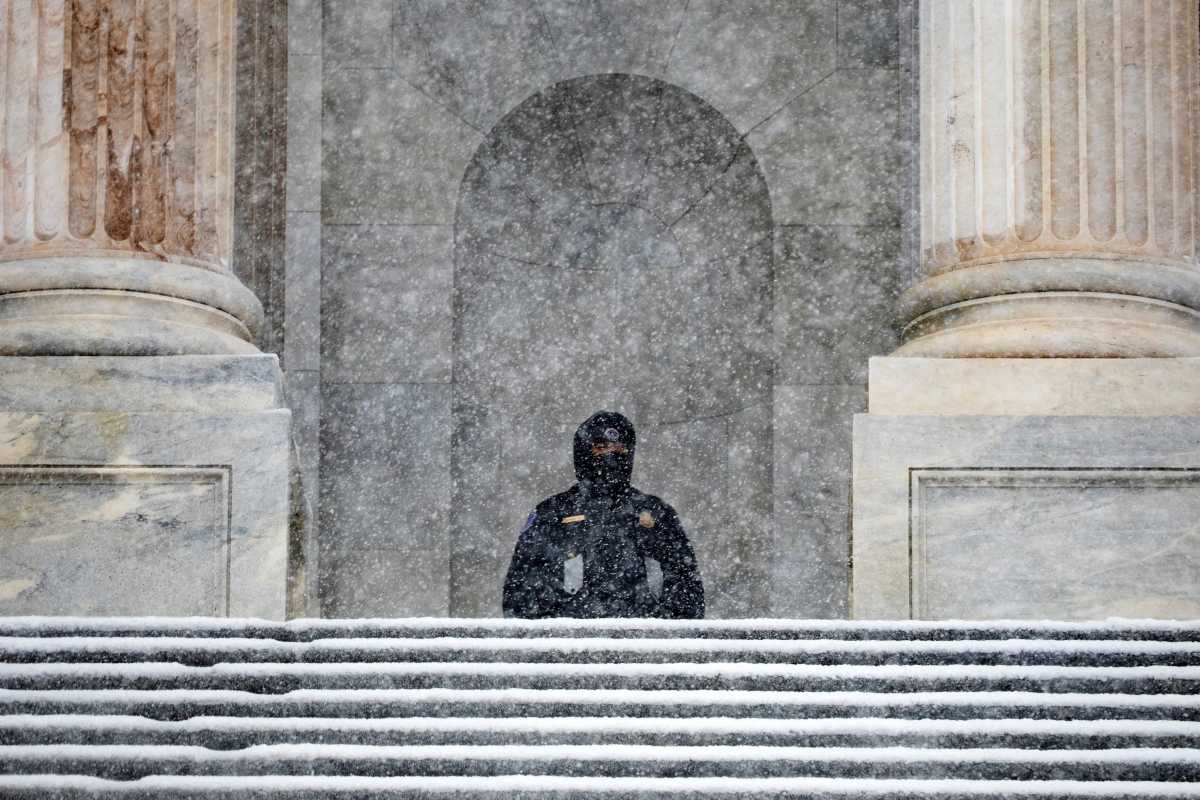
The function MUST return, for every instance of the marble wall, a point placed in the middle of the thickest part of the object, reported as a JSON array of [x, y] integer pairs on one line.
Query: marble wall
[[389, 103]]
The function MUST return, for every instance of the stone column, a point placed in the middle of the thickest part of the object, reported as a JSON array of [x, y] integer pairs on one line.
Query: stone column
[[1057, 180], [116, 123], [144, 446], [1030, 449]]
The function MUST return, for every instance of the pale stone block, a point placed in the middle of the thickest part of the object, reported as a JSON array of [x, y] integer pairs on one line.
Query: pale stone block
[[302, 292], [832, 156], [390, 154], [1036, 386], [834, 300], [613, 36], [358, 34], [385, 296], [304, 27], [812, 498], [868, 34], [477, 59], [112, 512], [750, 58], [304, 133], [385, 486], [195, 384], [1025, 517], [114, 540]]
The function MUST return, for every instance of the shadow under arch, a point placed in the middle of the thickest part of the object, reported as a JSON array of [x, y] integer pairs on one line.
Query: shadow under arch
[[613, 249]]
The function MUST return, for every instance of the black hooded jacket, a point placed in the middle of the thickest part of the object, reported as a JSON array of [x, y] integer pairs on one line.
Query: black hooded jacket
[[602, 548]]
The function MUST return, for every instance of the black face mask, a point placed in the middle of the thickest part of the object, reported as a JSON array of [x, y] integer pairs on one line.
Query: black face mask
[[608, 472]]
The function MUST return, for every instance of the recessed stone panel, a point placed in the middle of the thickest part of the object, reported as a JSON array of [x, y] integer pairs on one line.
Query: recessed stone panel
[[1080, 543], [114, 541], [1026, 517]]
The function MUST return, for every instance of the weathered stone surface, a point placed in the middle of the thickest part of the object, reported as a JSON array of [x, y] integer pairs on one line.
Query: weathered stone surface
[[602, 36], [868, 34], [1019, 254], [812, 498], [118, 132], [835, 300], [302, 293], [383, 285], [750, 58], [192, 384], [304, 132], [832, 155], [391, 154], [113, 512], [304, 401], [385, 469], [304, 27], [477, 59], [1075, 517], [1036, 386], [358, 34]]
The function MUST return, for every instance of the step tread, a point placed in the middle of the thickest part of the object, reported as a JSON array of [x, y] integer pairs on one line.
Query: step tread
[[532, 785], [269, 753], [864, 726]]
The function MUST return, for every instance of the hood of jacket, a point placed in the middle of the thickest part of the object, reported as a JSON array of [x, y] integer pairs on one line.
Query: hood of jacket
[[611, 472]]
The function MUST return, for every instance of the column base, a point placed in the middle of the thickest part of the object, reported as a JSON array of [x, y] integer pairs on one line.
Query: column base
[[148, 486], [110, 306], [1054, 307], [1060, 489]]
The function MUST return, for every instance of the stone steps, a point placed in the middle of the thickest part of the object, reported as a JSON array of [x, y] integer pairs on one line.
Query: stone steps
[[130, 762], [352, 703], [539, 787], [616, 708], [229, 733], [758, 629], [599, 650], [283, 677]]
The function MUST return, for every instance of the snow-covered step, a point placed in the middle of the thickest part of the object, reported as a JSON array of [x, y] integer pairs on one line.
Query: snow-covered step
[[539, 787], [185, 703], [282, 677], [599, 650], [311, 629], [611, 708], [129, 762], [230, 733]]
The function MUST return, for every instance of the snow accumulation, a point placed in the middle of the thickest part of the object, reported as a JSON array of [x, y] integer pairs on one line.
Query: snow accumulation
[[275, 753], [559, 624], [508, 784], [655, 697], [898, 672], [166, 644], [861, 726]]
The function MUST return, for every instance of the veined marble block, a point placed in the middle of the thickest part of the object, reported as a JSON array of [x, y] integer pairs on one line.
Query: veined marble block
[[1066, 517], [143, 486]]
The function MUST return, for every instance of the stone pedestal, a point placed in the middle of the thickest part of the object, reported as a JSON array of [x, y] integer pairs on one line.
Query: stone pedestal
[[148, 485], [1028, 488], [1003, 517], [1031, 448], [143, 445]]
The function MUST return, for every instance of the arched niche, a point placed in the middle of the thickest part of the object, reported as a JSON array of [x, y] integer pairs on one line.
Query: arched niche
[[613, 248]]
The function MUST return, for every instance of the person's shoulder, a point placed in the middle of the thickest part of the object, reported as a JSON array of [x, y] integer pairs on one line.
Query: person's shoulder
[[552, 504], [652, 503]]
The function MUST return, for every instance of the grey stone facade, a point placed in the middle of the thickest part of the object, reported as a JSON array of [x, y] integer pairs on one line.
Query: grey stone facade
[[478, 193]]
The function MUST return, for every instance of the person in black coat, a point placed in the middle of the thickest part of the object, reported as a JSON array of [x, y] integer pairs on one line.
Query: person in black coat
[[602, 548]]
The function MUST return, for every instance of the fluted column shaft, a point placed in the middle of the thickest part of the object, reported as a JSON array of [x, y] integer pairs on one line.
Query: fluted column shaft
[[116, 123], [1057, 180]]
